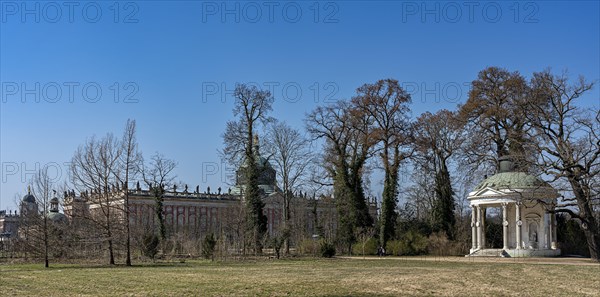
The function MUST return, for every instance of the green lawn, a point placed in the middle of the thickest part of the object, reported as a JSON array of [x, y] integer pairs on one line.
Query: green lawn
[[315, 277]]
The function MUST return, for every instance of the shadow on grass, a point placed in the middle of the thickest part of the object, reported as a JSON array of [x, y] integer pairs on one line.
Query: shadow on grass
[[70, 266]]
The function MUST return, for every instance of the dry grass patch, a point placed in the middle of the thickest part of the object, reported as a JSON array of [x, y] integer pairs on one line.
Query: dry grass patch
[[306, 277]]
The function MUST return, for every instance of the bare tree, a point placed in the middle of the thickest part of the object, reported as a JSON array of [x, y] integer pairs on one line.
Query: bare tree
[[158, 174], [291, 155], [127, 170], [570, 146], [42, 191], [251, 106], [495, 118], [419, 198], [92, 168]]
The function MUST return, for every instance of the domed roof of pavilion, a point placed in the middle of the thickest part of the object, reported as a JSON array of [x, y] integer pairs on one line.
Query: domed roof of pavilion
[[512, 180]]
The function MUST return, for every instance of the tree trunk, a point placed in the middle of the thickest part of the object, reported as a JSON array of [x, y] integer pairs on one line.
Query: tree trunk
[[46, 264], [286, 222], [128, 244], [128, 229], [111, 256], [589, 222], [593, 239]]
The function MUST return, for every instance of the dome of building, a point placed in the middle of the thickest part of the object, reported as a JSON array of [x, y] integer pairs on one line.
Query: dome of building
[[266, 173], [57, 217], [260, 161], [29, 198], [512, 180]]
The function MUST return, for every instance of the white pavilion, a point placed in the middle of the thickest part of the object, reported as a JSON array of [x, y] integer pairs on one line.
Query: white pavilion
[[528, 220]]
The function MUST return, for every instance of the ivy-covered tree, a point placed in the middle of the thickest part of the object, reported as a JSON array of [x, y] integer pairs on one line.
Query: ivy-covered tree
[[158, 174], [251, 106], [387, 104], [349, 143]]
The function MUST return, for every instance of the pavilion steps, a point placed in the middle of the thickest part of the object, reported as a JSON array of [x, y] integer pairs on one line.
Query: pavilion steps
[[496, 253]]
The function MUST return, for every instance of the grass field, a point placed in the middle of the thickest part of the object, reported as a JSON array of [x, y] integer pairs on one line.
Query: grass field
[[314, 277]]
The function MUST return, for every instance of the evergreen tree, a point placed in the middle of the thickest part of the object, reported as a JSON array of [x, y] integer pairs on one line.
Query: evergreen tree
[[443, 207]]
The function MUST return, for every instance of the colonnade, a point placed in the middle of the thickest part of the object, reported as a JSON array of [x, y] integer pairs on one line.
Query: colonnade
[[548, 223]]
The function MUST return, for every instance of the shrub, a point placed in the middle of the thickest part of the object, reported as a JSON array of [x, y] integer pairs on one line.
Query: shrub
[[327, 249], [439, 245], [278, 241], [393, 247], [413, 243], [150, 245], [370, 247], [208, 246], [308, 246], [570, 237]]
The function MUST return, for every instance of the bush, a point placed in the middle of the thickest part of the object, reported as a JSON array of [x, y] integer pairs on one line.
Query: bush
[[393, 247], [278, 241], [150, 245], [370, 247], [412, 243], [208, 246], [326, 249], [570, 237], [308, 246], [439, 245]]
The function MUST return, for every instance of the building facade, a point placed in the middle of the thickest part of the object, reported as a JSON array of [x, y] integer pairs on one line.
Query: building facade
[[195, 213]]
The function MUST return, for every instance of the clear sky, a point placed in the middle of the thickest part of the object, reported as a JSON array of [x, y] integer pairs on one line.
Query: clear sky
[[70, 71]]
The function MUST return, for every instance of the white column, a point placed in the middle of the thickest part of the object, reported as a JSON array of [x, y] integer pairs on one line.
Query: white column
[[547, 232], [504, 227], [473, 228], [479, 228], [482, 219], [553, 230], [518, 224]]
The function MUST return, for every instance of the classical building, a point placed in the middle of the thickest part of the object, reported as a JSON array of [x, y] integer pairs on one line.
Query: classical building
[[12, 225], [527, 207], [9, 222], [54, 214], [9, 225], [195, 213], [187, 213]]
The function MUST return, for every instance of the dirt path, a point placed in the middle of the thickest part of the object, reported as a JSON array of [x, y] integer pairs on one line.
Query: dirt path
[[545, 261]]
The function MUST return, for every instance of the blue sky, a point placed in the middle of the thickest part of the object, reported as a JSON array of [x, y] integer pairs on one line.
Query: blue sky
[[175, 63]]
